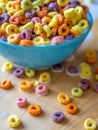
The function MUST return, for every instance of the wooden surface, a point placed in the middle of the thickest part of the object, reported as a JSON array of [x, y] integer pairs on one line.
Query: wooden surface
[[87, 104]]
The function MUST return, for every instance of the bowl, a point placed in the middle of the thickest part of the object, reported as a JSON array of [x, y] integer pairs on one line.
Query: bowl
[[43, 56]]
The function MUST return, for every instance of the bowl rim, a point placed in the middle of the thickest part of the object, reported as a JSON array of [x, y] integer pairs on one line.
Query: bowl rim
[[90, 19]]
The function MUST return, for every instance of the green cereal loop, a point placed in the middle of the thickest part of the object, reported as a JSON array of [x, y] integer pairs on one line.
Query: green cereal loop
[[46, 1], [9, 5], [52, 14], [20, 12], [36, 8], [40, 2], [47, 30], [46, 41], [79, 10], [84, 24], [37, 41], [30, 73], [27, 26], [90, 124], [3, 9], [76, 92], [11, 12], [26, 5], [11, 29]]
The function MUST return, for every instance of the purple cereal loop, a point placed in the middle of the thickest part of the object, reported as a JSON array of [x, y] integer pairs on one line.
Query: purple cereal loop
[[57, 68], [57, 39], [69, 37], [4, 38], [58, 117], [72, 71], [4, 18], [96, 87], [30, 14], [53, 6], [75, 2], [33, 35], [36, 19], [25, 35], [18, 72], [84, 84]]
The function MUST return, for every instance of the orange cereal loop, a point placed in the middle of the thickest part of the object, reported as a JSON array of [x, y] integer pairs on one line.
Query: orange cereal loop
[[6, 84], [61, 11], [71, 108], [13, 39], [41, 13], [46, 20], [85, 7], [25, 85], [0, 11], [91, 60], [54, 30], [63, 30], [23, 20], [14, 20], [34, 110], [96, 71], [26, 43], [68, 22], [16, 5], [61, 19], [43, 35], [2, 32], [63, 98]]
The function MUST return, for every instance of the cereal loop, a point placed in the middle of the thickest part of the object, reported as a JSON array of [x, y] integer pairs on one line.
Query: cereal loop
[[63, 98], [25, 85], [13, 39], [71, 108], [63, 30], [26, 43], [34, 110], [6, 84]]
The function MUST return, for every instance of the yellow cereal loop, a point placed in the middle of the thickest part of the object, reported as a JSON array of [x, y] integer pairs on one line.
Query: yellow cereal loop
[[8, 66], [86, 73], [53, 22], [63, 98], [47, 30], [11, 29], [3, 9], [9, 5], [4, 25], [26, 5], [37, 41], [14, 121], [90, 124], [70, 13], [84, 65], [38, 29], [19, 13], [27, 26], [62, 2], [83, 24], [52, 14], [76, 30]]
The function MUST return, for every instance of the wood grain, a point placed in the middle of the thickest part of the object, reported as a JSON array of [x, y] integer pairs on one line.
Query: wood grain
[[87, 104]]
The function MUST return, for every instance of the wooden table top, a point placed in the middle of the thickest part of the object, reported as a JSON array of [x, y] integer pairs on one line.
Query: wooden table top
[[60, 82]]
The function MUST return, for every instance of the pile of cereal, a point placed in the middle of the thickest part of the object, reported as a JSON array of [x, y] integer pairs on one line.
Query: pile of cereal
[[41, 22]]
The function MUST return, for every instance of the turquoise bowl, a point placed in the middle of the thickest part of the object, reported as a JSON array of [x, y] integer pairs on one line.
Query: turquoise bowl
[[42, 56]]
